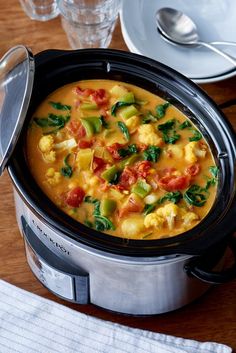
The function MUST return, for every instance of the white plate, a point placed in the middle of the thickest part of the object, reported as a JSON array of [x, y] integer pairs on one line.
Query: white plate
[[215, 20]]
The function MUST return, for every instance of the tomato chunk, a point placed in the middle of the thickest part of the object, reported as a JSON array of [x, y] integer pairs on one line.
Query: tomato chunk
[[76, 129], [193, 169], [98, 164], [85, 144], [174, 183], [75, 197], [99, 96], [142, 168], [84, 92], [127, 178]]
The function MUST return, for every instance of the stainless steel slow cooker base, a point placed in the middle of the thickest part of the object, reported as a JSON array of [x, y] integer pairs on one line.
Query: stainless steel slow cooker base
[[138, 286]]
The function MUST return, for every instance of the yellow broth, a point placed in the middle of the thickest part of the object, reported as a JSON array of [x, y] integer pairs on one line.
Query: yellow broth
[[121, 160]]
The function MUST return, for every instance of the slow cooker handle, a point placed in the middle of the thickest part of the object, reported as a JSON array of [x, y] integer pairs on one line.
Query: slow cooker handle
[[214, 277]]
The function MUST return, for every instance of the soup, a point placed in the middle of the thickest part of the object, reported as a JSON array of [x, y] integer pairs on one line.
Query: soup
[[121, 160]]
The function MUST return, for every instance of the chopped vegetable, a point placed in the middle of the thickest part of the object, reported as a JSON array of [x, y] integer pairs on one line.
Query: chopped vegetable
[[128, 112], [196, 136], [124, 129], [103, 122], [66, 144], [174, 182], [107, 207], [89, 127], [168, 131], [141, 188], [185, 125], [103, 223], [84, 159], [57, 121], [128, 161], [88, 106], [152, 153], [126, 100], [111, 175], [59, 106], [161, 110], [214, 171], [67, 170], [118, 105], [195, 196], [75, 197], [131, 149]]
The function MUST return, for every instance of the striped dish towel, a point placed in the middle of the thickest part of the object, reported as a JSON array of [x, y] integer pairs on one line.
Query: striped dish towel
[[31, 324]]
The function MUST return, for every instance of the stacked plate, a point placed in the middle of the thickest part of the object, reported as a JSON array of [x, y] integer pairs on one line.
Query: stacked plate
[[215, 21]]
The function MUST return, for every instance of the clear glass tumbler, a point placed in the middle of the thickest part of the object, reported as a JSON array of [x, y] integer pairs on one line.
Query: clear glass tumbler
[[41, 10], [89, 23]]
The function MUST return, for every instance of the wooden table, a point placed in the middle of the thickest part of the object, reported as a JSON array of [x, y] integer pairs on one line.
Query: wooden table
[[213, 316]]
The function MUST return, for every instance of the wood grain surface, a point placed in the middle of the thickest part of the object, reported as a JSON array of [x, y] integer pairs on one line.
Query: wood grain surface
[[213, 316]]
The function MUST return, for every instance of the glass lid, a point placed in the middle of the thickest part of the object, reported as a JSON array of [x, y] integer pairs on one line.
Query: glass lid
[[16, 82]]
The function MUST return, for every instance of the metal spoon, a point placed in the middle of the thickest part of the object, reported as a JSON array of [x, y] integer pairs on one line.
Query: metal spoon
[[178, 28]]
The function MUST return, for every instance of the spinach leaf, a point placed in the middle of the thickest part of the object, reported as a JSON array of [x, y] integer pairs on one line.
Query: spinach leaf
[[88, 223], [96, 211], [214, 171], [212, 181], [57, 121], [90, 199], [174, 197], [67, 170], [169, 125], [195, 195], [115, 179], [103, 223], [185, 125], [161, 110], [103, 122], [149, 208], [196, 136], [131, 149], [152, 153], [59, 106], [168, 131], [124, 129]]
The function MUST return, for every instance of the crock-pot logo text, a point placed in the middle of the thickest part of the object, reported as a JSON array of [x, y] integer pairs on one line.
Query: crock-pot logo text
[[52, 241]]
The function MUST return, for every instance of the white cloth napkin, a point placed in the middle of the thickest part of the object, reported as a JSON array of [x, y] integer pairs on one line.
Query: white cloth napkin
[[31, 324]]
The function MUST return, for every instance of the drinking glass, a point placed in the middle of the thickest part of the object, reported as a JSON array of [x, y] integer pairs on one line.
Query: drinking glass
[[89, 23], [41, 10]]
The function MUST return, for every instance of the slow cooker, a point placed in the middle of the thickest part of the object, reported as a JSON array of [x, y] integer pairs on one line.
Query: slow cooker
[[140, 277]]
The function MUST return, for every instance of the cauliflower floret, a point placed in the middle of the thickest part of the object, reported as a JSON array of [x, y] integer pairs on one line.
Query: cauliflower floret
[[193, 151], [148, 136], [132, 123], [153, 220], [49, 157], [53, 177], [189, 217], [169, 212], [46, 143]]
